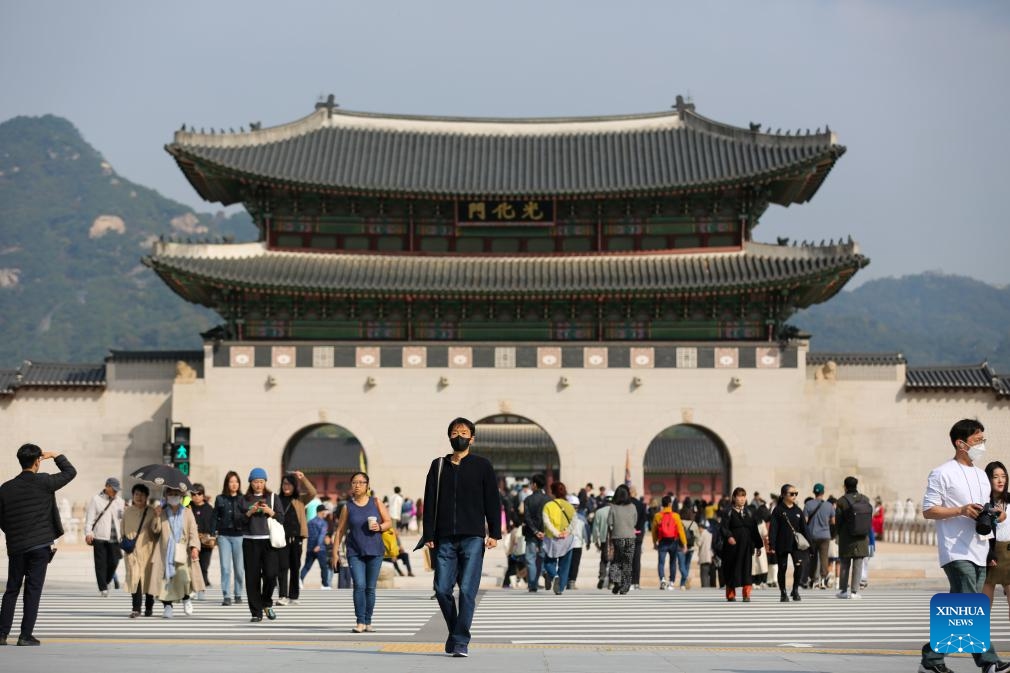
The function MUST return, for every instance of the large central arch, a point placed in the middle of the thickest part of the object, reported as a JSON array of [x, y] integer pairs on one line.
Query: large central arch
[[517, 447], [689, 461], [328, 454]]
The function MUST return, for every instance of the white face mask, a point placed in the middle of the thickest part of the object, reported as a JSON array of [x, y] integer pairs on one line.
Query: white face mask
[[976, 452], [173, 500]]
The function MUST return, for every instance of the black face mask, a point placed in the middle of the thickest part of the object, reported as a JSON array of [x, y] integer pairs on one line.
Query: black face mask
[[459, 443]]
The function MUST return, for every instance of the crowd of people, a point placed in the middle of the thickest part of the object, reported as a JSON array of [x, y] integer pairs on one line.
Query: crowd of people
[[735, 543]]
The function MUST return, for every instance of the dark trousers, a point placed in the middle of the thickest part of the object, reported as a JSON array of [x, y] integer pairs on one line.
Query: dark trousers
[[260, 560], [289, 562], [107, 555], [28, 568], [147, 599], [573, 573], [798, 562], [205, 557], [636, 561], [604, 565]]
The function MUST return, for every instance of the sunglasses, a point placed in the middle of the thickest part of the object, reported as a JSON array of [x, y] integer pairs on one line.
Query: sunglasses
[[793, 493]]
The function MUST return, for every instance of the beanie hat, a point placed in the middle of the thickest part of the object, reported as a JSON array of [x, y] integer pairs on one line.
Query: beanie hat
[[818, 489], [257, 473]]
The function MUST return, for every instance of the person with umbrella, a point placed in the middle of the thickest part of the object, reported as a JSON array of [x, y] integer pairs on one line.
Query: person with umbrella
[[175, 569]]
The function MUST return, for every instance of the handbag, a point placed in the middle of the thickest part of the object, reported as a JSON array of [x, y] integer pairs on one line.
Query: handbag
[[278, 539], [128, 544], [802, 543]]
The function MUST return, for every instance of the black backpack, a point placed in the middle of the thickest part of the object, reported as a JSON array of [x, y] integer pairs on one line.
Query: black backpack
[[858, 517], [689, 533]]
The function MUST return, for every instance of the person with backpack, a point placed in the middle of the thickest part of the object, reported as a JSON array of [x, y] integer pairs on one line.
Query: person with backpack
[[668, 537], [741, 542], [684, 556], [820, 520], [854, 512]]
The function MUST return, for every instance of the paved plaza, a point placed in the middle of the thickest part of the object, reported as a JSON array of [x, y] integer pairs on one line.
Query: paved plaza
[[584, 629]]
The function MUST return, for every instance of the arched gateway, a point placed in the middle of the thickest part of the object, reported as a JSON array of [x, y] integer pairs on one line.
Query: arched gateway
[[687, 460], [328, 454], [517, 447]]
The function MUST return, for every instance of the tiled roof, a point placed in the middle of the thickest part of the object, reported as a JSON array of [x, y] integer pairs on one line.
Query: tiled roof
[[491, 437], [683, 455], [884, 359], [252, 265], [154, 356], [8, 381], [445, 157], [968, 377], [52, 375]]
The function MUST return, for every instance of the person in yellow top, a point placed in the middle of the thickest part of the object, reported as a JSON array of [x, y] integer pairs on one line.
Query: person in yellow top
[[559, 522], [668, 538]]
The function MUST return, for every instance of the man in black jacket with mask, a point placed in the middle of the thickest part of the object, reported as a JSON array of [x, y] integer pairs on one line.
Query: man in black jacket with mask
[[464, 520], [31, 521]]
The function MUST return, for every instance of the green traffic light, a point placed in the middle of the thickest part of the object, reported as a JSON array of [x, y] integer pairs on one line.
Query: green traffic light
[[181, 452], [184, 468]]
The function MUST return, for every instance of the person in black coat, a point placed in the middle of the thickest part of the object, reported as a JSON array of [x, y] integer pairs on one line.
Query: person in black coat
[[787, 518], [741, 542], [30, 519]]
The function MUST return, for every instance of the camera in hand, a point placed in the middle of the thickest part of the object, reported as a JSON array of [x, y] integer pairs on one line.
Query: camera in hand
[[986, 520]]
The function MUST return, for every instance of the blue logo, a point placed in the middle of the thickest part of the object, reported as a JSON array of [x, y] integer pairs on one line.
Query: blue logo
[[959, 623]]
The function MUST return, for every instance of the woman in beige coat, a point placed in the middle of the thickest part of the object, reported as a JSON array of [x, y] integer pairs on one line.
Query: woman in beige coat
[[175, 566], [138, 519]]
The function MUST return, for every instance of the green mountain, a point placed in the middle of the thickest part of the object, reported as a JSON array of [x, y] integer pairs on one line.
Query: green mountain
[[72, 233], [931, 318]]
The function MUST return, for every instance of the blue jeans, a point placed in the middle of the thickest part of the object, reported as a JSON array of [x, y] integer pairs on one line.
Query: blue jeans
[[964, 577], [320, 557], [230, 550], [364, 574], [534, 562], [458, 558], [559, 567], [684, 563], [668, 546]]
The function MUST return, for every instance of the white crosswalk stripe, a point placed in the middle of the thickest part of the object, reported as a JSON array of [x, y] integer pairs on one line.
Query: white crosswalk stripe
[[319, 615], [882, 619]]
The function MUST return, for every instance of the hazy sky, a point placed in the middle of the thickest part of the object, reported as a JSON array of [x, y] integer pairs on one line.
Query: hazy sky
[[915, 90]]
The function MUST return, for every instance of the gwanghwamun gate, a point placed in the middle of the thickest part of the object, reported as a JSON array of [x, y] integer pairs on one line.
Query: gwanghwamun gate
[[589, 290]]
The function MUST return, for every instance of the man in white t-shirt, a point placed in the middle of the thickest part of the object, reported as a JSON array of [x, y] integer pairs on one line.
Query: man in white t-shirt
[[396, 507], [955, 494]]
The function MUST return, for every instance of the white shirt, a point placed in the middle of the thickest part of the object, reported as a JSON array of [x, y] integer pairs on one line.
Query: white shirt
[[955, 485], [99, 525], [396, 507], [1003, 530]]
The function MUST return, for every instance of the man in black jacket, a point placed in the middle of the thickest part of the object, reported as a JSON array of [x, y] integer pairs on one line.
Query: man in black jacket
[[31, 521], [464, 520], [533, 530]]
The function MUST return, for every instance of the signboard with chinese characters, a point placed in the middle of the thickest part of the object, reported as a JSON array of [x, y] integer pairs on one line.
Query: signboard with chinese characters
[[510, 211]]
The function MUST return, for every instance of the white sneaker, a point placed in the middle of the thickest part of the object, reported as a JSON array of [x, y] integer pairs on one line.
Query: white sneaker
[[281, 601], [104, 594], [167, 614], [200, 595], [856, 596], [301, 583], [187, 607], [663, 585], [292, 602], [843, 594], [326, 588]]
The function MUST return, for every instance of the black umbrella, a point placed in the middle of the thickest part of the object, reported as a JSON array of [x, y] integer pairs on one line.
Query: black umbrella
[[164, 475]]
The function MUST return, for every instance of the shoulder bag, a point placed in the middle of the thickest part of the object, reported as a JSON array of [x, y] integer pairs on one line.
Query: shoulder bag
[[426, 535], [802, 543], [278, 539], [99, 518], [128, 544]]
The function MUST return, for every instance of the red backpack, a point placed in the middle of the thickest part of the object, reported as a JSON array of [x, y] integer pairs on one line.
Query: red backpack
[[667, 526]]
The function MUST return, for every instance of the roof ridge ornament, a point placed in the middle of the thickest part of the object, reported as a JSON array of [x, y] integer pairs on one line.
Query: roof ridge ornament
[[329, 105]]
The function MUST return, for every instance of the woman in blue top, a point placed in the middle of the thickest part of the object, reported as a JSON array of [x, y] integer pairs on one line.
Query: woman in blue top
[[362, 520]]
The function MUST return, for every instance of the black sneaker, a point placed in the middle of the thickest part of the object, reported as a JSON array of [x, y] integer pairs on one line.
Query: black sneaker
[[238, 600], [28, 641], [256, 619], [796, 595], [226, 601], [460, 651], [556, 586], [998, 667], [448, 645], [784, 598], [599, 585], [3, 641]]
